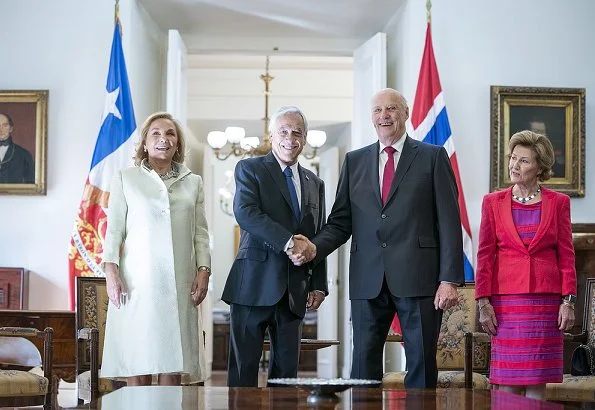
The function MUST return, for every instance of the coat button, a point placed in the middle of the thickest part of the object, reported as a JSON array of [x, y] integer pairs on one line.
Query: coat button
[[383, 216], [384, 245], [170, 190]]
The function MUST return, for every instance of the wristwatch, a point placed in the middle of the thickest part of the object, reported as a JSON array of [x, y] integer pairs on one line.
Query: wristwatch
[[204, 268], [570, 299]]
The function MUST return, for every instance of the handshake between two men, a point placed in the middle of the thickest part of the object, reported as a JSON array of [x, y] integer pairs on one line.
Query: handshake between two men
[[302, 252]]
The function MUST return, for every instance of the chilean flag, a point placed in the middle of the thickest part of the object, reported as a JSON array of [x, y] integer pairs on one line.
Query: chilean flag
[[430, 124], [114, 150]]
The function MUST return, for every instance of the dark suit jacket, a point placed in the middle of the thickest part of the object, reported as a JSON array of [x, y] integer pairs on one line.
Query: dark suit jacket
[[17, 166], [506, 266], [262, 272], [415, 238]]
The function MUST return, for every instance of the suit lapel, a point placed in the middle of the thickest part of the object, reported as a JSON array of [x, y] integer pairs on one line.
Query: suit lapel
[[505, 210], [373, 157], [405, 160], [275, 170], [305, 184], [546, 217]]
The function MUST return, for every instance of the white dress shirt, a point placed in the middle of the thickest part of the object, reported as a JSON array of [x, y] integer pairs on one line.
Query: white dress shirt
[[3, 150]]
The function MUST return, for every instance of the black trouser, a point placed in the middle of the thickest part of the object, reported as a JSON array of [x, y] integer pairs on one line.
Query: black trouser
[[420, 323], [248, 327]]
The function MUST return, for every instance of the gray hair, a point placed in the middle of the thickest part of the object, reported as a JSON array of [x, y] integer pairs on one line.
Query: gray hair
[[284, 110], [394, 92]]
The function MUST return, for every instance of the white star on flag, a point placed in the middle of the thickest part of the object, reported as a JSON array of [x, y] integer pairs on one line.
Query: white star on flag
[[110, 105], [113, 151]]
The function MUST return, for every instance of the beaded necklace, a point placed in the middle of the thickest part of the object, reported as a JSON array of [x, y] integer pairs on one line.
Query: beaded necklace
[[522, 200], [172, 173]]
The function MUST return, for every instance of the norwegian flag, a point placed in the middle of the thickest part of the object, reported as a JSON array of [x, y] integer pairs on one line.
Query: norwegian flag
[[430, 124]]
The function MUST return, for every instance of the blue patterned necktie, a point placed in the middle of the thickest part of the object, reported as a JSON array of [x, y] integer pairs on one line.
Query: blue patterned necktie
[[292, 193]]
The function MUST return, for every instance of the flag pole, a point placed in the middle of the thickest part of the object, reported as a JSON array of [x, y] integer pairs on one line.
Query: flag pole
[[117, 16], [428, 11]]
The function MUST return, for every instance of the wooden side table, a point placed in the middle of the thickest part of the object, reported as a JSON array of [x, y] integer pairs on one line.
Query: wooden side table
[[62, 322]]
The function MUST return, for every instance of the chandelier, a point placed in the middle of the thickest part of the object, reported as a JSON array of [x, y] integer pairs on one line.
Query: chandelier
[[239, 145]]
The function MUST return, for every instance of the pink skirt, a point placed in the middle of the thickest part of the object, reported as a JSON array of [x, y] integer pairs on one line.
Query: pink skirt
[[528, 347]]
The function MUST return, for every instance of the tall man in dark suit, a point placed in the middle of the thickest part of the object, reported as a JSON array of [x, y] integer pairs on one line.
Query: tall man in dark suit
[[275, 198], [397, 199], [16, 163]]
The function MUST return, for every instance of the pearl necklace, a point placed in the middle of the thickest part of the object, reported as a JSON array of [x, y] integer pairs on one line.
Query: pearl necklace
[[522, 200]]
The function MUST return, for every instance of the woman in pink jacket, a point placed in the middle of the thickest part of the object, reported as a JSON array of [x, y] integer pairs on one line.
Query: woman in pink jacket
[[526, 277]]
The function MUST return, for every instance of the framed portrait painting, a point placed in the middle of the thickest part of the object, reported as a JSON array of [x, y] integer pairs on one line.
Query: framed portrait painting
[[558, 113], [23, 142]]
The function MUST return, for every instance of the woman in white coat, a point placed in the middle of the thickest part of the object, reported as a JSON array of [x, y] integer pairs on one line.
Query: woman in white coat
[[157, 263]]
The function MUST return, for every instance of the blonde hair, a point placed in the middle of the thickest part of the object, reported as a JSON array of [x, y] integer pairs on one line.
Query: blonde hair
[[541, 145], [141, 154]]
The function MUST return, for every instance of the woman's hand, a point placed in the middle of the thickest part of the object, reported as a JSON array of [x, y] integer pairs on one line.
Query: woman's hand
[[565, 317], [487, 318], [116, 288], [200, 286]]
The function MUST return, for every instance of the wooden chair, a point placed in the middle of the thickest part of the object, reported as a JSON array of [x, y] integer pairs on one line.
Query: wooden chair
[[91, 312], [450, 356], [18, 355], [573, 388]]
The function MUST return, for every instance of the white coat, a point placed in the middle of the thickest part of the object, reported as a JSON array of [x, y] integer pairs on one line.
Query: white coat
[[163, 237]]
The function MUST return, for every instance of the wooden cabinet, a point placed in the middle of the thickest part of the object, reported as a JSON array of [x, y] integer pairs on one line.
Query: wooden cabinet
[[14, 288], [583, 239], [63, 323], [308, 360], [221, 347]]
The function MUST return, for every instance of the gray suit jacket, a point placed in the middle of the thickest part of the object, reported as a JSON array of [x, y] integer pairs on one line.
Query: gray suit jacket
[[414, 239]]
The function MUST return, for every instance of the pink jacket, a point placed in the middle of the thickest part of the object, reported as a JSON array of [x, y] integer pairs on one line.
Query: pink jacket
[[506, 266]]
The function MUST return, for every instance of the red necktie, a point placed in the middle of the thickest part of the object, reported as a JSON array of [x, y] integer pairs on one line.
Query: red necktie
[[389, 173]]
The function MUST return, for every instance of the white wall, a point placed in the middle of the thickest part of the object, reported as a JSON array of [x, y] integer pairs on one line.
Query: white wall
[[145, 50], [511, 43], [64, 47]]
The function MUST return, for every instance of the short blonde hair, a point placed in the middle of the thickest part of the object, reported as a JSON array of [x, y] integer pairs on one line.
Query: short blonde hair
[[541, 145], [141, 154]]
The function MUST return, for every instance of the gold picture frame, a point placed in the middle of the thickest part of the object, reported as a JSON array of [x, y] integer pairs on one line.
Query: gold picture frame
[[558, 113], [23, 114]]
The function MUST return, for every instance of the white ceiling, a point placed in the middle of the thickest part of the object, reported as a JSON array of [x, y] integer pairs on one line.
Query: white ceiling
[[333, 21], [255, 27]]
